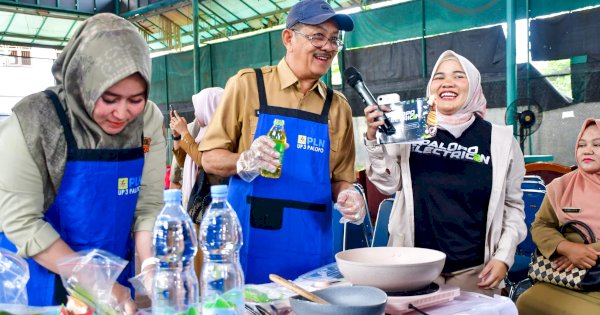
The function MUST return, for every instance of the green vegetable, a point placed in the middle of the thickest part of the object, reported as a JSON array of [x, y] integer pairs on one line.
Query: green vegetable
[[254, 295], [84, 296]]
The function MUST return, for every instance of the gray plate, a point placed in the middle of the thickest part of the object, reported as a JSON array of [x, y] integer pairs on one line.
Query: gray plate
[[346, 300]]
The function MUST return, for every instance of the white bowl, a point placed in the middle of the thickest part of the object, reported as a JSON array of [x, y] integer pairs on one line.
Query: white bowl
[[391, 269]]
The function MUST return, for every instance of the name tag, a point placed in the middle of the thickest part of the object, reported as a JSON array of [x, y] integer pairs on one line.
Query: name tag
[[571, 210]]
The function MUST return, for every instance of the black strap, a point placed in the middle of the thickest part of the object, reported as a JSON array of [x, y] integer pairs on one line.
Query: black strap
[[572, 224], [62, 117], [290, 112], [281, 203], [262, 94]]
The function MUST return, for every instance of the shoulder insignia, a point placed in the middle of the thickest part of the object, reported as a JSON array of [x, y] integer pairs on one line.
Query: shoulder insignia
[[146, 144]]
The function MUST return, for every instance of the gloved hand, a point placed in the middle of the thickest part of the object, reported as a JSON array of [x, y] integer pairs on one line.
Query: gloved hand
[[260, 155], [121, 297], [351, 204]]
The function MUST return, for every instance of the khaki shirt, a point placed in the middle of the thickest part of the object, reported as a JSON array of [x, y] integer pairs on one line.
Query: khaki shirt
[[22, 196], [545, 231], [234, 124]]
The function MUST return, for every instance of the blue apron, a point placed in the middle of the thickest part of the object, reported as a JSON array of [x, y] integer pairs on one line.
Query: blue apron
[[286, 222], [94, 208]]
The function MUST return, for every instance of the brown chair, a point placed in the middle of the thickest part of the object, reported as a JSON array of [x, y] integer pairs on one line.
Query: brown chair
[[547, 170]]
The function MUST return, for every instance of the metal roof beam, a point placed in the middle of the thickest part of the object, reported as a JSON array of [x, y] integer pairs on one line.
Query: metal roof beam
[[211, 27], [42, 12], [235, 16], [221, 18], [66, 38], [8, 25], [154, 9], [39, 29], [44, 8], [29, 37], [253, 10]]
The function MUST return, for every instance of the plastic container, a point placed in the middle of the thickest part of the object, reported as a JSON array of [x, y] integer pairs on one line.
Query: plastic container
[[175, 285], [222, 283]]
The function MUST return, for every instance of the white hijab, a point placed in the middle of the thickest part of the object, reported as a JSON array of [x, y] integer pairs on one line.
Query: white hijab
[[205, 105], [458, 122]]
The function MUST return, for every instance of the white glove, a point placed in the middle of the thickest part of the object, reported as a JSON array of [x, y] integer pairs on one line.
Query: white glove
[[260, 155], [351, 204]]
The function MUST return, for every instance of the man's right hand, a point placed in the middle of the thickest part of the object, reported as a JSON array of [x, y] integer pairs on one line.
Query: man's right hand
[[260, 155]]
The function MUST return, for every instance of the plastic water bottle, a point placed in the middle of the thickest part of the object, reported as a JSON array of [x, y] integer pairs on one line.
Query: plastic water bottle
[[222, 283], [175, 281]]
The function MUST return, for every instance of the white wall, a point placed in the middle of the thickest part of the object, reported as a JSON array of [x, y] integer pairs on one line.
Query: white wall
[[558, 132], [19, 81]]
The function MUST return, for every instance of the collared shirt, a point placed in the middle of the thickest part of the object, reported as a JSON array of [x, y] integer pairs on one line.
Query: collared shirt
[[234, 123]]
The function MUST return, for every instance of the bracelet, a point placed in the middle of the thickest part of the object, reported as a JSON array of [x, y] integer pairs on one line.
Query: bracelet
[[177, 138], [147, 262]]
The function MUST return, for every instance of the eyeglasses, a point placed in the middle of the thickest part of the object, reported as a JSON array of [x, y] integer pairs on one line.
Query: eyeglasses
[[319, 40]]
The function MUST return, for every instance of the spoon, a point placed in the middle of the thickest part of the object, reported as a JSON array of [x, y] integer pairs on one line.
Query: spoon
[[294, 287]]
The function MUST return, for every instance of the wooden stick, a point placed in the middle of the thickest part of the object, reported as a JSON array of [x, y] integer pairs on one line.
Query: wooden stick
[[294, 287]]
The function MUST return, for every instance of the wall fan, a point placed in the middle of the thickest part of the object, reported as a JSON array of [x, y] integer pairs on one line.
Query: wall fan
[[528, 115]]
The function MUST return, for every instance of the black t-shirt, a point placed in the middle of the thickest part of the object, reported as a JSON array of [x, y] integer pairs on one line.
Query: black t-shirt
[[452, 182]]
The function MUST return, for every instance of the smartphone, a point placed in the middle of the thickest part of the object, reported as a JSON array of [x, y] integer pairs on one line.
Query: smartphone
[[387, 99], [171, 108]]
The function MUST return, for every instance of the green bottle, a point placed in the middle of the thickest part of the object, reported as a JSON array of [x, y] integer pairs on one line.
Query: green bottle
[[277, 134]]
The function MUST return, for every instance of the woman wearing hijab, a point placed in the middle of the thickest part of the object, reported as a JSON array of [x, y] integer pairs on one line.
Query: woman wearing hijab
[[573, 196], [185, 147], [459, 191], [77, 154]]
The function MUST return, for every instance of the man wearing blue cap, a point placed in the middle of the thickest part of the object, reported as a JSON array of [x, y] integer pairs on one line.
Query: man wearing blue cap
[[286, 221]]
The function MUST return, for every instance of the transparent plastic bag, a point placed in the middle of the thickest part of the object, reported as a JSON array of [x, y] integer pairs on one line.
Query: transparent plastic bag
[[91, 276], [14, 274]]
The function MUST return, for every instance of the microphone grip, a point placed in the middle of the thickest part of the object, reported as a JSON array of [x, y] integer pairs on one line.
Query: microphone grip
[[368, 98]]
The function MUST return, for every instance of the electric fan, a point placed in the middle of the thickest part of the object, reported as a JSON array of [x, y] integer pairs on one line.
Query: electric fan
[[528, 115]]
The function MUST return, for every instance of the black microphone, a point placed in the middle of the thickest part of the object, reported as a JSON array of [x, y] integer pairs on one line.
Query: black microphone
[[355, 80]]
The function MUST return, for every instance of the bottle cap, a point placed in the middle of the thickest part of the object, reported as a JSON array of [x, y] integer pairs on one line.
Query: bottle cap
[[279, 122], [172, 195], [218, 190]]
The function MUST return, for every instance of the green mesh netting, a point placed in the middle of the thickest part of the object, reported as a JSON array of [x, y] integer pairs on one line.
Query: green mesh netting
[[404, 20]]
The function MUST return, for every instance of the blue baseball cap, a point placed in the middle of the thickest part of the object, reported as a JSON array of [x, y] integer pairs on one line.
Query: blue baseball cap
[[313, 12]]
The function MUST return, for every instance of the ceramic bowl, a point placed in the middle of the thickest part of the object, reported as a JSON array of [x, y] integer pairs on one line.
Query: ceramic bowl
[[391, 269], [345, 300]]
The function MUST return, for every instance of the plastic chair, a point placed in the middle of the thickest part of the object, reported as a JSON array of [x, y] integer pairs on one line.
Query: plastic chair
[[349, 235], [533, 178], [533, 185], [381, 234], [517, 280]]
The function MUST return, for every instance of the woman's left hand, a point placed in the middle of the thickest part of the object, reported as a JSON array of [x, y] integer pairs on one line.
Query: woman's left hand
[[492, 274]]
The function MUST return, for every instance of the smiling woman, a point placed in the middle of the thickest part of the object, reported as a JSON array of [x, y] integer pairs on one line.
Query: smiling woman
[[72, 148], [459, 192]]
